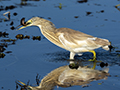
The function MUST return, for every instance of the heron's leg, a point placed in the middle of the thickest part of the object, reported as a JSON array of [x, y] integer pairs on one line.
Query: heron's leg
[[94, 65], [73, 65], [72, 54], [94, 55]]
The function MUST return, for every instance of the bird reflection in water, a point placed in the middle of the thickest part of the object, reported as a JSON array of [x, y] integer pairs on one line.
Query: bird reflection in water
[[64, 76]]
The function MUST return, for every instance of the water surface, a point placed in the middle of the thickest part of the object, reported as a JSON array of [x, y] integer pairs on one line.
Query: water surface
[[31, 57]]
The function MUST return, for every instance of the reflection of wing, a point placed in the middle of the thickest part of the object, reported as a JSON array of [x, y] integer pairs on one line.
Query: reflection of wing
[[81, 76], [65, 77]]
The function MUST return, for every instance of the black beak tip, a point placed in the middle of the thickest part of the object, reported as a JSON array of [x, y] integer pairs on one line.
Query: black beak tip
[[110, 47], [18, 26]]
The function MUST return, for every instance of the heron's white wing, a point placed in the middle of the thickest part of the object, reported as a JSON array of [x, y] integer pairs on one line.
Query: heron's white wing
[[72, 39], [71, 43], [67, 44], [76, 45]]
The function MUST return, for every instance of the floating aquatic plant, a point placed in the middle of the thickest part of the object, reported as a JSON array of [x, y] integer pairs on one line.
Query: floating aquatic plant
[[36, 38], [60, 6], [2, 55]]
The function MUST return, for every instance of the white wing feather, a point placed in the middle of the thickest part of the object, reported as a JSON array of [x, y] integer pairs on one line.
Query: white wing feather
[[78, 45]]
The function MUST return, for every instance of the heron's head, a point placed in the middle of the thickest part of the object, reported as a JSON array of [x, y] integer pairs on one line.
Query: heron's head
[[35, 21]]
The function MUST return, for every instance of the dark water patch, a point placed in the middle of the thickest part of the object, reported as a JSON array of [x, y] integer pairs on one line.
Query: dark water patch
[[15, 14], [2, 87], [36, 38], [11, 23], [8, 40], [0, 20], [117, 51], [4, 34], [27, 37], [12, 28], [82, 1], [10, 7], [8, 52], [3, 46], [110, 58], [1, 8], [57, 56], [101, 11], [21, 37], [76, 16], [49, 17], [88, 13], [113, 20], [102, 64], [4, 43], [2, 55], [64, 57], [36, 0], [25, 3], [2, 49]]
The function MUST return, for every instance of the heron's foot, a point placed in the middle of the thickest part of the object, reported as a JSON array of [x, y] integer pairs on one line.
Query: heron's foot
[[94, 55], [74, 65], [94, 59]]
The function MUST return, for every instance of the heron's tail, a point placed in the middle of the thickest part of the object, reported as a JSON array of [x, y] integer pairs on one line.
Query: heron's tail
[[103, 42], [106, 47]]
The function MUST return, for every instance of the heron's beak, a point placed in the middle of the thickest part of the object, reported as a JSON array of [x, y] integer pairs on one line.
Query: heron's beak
[[23, 85], [20, 27], [24, 24], [111, 47]]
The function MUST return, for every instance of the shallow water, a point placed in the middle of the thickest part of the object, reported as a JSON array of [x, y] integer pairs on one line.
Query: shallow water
[[31, 57]]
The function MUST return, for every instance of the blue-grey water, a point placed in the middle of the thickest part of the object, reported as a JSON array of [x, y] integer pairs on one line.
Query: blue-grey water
[[31, 57]]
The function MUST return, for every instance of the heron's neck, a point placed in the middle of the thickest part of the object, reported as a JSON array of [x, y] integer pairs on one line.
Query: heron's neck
[[46, 29]]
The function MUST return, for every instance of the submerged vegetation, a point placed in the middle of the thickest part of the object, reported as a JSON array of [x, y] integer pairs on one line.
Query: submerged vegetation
[[4, 43]]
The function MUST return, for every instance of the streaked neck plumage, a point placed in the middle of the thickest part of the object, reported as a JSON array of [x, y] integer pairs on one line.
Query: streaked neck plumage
[[49, 31], [46, 27]]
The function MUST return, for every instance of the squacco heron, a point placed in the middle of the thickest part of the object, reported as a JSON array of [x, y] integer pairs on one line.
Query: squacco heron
[[74, 41]]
